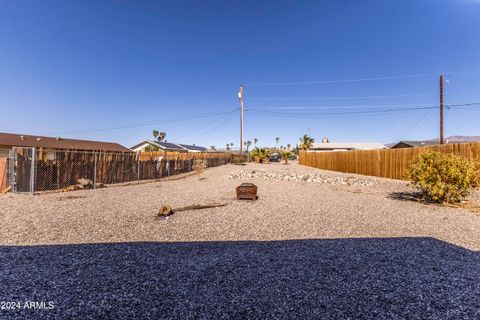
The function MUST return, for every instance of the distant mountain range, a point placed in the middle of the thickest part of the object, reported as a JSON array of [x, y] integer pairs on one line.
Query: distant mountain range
[[462, 138], [450, 139]]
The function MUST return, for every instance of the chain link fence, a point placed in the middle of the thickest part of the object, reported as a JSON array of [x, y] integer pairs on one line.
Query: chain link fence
[[29, 170]]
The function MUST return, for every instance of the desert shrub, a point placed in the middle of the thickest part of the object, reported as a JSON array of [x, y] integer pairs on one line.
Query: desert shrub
[[286, 155], [260, 154], [199, 165], [443, 177], [239, 158]]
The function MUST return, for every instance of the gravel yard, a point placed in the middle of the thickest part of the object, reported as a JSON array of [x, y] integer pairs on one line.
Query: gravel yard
[[313, 204], [315, 244]]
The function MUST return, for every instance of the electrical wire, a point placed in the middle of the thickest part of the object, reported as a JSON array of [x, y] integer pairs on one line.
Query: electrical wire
[[364, 112], [340, 81], [415, 124], [343, 113], [210, 132], [343, 107], [342, 98], [205, 126], [146, 123]]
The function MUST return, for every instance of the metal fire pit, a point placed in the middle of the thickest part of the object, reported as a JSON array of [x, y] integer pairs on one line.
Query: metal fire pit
[[247, 191]]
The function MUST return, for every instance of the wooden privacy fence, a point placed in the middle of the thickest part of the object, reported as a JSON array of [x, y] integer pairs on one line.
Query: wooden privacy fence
[[59, 169], [386, 163], [183, 155]]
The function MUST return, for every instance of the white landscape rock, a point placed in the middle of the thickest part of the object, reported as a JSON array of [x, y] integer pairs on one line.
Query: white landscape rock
[[262, 174]]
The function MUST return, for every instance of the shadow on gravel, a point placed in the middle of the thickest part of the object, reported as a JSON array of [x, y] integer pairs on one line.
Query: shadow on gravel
[[416, 278], [408, 196]]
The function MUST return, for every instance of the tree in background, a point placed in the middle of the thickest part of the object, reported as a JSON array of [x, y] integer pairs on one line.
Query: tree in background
[[213, 148], [228, 146], [161, 136], [261, 155], [255, 140], [306, 142], [158, 136], [288, 146], [248, 144], [286, 155], [277, 139]]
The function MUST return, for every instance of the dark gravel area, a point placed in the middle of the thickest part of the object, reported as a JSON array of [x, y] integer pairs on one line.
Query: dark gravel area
[[389, 278]]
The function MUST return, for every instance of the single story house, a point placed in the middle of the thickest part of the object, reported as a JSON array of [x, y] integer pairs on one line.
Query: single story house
[[412, 144], [167, 146], [422, 143], [49, 145], [10, 140], [346, 146]]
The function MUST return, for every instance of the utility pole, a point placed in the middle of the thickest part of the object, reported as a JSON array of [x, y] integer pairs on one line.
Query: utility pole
[[240, 98], [441, 110]]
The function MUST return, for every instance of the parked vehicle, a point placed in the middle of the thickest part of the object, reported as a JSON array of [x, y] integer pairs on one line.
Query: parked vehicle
[[275, 157]]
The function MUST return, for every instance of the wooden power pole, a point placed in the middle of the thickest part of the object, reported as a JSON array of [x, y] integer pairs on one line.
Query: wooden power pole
[[240, 98], [442, 141]]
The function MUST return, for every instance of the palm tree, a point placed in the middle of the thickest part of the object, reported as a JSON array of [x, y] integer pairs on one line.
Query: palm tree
[[255, 140], [228, 146], [155, 134], [276, 140], [161, 136], [248, 144], [306, 142], [288, 146], [286, 155], [260, 154]]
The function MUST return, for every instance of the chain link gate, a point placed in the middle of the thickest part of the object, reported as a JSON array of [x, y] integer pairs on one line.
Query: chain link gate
[[22, 169]]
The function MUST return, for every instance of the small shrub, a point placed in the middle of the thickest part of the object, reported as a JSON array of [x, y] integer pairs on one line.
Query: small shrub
[[260, 154], [199, 166], [286, 155], [443, 178], [238, 158]]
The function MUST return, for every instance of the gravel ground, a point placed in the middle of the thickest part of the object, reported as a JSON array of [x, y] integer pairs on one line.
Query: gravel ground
[[338, 247], [284, 210], [401, 278]]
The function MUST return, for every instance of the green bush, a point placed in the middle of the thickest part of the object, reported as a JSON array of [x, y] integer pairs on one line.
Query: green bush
[[261, 154], [443, 177]]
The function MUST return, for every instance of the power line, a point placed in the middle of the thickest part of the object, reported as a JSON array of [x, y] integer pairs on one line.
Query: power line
[[342, 107], [363, 112], [146, 123], [343, 113], [209, 133], [343, 98], [463, 104], [206, 125], [415, 124], [341, 81]]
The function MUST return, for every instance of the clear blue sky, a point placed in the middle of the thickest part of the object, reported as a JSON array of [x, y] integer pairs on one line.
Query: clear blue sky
[[67, 66]]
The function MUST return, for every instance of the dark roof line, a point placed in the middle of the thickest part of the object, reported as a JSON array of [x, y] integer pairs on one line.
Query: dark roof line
[[171, 145], [24, 140]]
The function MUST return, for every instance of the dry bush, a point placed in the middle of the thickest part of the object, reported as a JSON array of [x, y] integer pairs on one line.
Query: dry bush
[[443, 178], [199, 165]]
